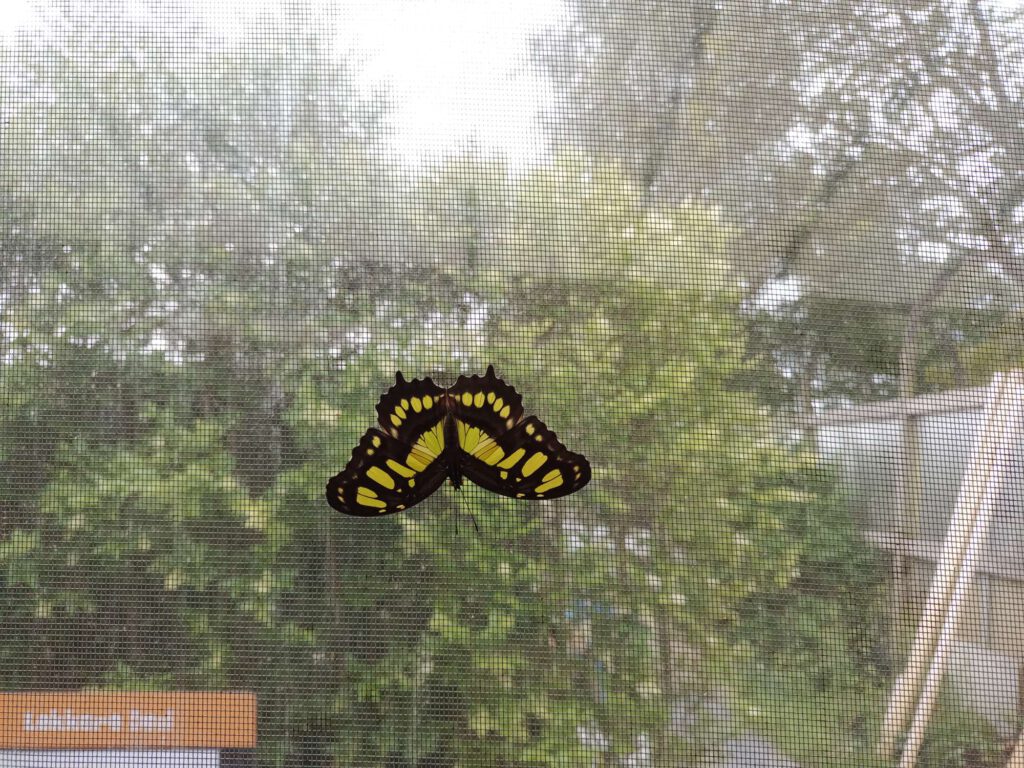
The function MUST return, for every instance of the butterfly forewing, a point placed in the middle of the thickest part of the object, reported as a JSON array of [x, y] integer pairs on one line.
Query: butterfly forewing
[[528, 462], [386, 475], [485, 402], [484, 408], [410, 408]]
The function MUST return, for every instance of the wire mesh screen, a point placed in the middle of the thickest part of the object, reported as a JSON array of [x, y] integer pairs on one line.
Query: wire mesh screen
[[462, 384]]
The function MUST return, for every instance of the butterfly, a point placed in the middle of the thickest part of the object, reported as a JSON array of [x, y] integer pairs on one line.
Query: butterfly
[[475, 429]]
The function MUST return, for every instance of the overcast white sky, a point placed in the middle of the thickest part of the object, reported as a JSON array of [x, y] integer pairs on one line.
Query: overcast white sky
[[440, 59]]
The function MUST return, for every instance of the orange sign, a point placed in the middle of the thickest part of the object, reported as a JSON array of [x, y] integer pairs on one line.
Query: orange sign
[[114, 719]]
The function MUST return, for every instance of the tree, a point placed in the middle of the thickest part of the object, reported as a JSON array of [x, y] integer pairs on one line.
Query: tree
[[860, 149]]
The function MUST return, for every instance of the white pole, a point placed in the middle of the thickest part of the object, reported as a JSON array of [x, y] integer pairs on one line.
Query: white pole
[[1002, 406], [915, 736]]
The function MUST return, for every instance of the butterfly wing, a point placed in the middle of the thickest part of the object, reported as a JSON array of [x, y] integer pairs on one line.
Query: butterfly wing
[[484, 408], [505, 453], [485, 401], [527, 462], [410, 408], [385, 475], [393, 469]]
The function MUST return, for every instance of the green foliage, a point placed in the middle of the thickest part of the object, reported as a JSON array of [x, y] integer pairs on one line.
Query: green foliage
[[958, 738], [835, 722], [829, 621], [831, 349], [817, 720]]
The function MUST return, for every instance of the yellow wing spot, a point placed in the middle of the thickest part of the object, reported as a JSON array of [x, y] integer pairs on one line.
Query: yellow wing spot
[[520, 495], [427, 448], [530, 429], [376, 441], [412, 482], [395, 420], [478, 400], [400, 411], [431, 442], [498, 404], [367, 501], [362, 490], [378, 475], [405, 405], [490, 397], [539, 438], [428, 444], [422, 455], [417, 404], [468, 437], [504, 412], [394, 431], [513, 458], [400, 468], [534, 463], [428, 402], [467, 398], [503, 474], [488, 451], [472, 439], [552, 479], [370, 451]]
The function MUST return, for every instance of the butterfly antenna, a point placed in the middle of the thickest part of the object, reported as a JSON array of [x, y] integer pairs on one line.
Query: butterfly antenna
[[458, 514], [457, 495], [473, 518]]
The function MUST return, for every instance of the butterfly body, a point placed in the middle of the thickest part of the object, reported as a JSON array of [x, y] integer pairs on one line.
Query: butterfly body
[[473, 430], [452, 459]]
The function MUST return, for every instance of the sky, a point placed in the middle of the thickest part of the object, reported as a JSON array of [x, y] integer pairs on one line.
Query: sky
[[439, 59]]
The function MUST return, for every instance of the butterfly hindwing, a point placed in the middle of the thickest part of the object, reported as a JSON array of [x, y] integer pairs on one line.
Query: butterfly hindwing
[[386, 475], [527, 462]]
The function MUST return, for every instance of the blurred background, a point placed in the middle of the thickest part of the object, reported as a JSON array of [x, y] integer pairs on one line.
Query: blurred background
[[704, 239]]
